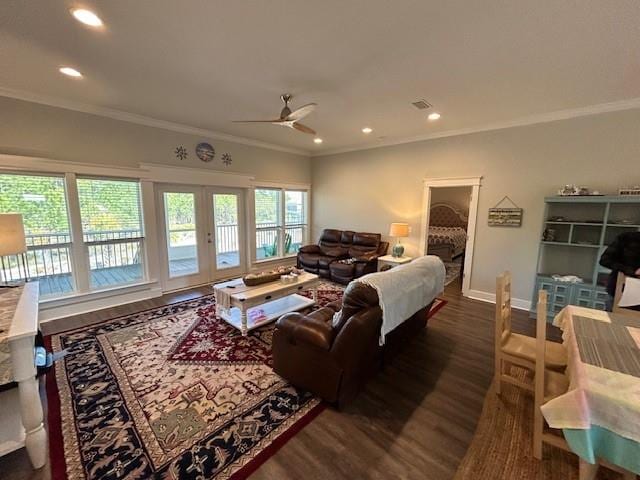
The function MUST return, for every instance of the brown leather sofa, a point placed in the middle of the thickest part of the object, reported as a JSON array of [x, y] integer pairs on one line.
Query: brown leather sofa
[[335, 357], [342, 255]]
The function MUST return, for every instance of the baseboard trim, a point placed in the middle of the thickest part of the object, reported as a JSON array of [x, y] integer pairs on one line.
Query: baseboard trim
[[516, 303]]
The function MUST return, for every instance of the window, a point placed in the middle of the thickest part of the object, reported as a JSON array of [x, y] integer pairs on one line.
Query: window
[[225, 219], [182, 243], [295, 221], [281, 226], [268, 223], [112, 230], [42, 202]]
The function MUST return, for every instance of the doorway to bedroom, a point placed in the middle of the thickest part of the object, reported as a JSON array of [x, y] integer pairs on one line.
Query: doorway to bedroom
[[449, 221]]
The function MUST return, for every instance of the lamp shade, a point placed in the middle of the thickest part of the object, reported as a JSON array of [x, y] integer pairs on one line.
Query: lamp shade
[[399, 230], [12, 239]]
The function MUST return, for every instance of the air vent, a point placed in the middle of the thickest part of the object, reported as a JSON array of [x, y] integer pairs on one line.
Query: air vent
[[421, 104]]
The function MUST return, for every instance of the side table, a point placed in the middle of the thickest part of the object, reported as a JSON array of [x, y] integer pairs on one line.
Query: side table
[[392, 261]]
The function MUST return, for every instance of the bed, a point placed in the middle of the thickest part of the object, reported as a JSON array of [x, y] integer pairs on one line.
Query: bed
[[447, 232]]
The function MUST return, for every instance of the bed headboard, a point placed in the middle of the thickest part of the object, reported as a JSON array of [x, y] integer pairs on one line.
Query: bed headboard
[[445, 215]]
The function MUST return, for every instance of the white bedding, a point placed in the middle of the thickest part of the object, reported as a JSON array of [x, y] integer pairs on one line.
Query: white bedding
[[405, 289]]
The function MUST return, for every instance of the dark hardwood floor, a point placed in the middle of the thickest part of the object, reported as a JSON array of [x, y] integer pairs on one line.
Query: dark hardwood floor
[[414, 421]]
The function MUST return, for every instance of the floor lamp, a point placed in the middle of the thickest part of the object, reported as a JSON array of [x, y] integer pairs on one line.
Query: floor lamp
[[12, 242]]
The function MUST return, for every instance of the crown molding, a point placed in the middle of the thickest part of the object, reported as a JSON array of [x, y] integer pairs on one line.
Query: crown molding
[[621, 105], [141, 120], [124, 116]]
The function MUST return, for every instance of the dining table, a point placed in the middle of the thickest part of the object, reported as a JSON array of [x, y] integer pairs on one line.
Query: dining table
[[600, 413]]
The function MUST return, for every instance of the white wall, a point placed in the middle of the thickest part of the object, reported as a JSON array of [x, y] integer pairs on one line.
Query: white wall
[[367, 190], [37, 130]]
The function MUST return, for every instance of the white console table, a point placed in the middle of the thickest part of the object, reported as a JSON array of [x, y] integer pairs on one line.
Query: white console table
[[21, 419]]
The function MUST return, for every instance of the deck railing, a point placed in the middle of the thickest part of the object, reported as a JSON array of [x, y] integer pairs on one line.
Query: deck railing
[[267, 239], [227, 238], [49, 254]]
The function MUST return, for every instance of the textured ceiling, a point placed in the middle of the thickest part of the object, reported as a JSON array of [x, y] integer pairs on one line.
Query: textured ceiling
[[203, 63]]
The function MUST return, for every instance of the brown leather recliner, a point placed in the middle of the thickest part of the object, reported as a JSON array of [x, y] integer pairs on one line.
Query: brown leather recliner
[[334, 245], [335, 357], [363, 254]]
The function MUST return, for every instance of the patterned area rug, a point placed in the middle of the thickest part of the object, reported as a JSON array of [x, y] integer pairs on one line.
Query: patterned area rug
[[170, 393], [453, 270], [502, 447]]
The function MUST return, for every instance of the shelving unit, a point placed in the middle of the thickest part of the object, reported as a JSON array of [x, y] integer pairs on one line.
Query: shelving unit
[[582, 228]]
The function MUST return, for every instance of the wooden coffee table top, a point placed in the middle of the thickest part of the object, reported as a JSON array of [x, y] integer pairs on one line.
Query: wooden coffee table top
[[238, 290]]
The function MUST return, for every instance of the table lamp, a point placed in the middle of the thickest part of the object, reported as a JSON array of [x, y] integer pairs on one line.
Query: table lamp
[[398, 230], [12, 241]]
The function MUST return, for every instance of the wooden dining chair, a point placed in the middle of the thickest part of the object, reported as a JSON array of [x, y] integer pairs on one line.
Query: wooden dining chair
[[514, 348], [548, 385], [620, 284]]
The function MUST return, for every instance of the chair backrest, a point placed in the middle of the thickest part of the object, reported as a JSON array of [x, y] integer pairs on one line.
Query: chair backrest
[[620, 284], [364, 243], [619, 289], [541, 344], [330, 238], [503, 308]]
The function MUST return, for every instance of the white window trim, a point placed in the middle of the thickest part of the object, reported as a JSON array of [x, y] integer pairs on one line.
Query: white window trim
[[83, 276], [23, 165], [251, 221]]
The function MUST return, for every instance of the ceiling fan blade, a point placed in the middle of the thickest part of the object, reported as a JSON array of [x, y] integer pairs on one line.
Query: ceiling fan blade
[[277, 120], [303, 128], [300, 113]]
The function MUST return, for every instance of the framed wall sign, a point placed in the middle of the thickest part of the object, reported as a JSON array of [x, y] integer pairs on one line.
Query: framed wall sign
[[500, 216]]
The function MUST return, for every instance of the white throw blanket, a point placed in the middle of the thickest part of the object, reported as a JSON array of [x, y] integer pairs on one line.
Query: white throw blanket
[[405, 289]]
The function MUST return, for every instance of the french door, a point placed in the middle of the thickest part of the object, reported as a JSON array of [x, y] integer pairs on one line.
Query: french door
[[203, 238]]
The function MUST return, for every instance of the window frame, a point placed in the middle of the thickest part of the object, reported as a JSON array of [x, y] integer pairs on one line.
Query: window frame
[[22, 258], [84, 245], [282, 225], [78, 248]]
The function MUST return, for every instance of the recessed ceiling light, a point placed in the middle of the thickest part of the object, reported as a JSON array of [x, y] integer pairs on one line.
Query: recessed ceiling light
[[72, 72], [367, 130], [434, 116], [317, 140], [87, 17]]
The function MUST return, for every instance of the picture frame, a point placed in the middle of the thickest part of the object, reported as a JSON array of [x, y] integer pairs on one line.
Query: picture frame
[[505, 217]]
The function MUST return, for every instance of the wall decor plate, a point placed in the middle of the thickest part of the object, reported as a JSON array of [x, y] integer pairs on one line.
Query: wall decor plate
[[226, 159], [205, 152]]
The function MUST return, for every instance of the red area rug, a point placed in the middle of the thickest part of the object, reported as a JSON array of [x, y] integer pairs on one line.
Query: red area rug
[[171, 393]]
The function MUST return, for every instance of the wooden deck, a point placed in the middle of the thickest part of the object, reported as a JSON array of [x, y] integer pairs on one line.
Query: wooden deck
[[53, 285]]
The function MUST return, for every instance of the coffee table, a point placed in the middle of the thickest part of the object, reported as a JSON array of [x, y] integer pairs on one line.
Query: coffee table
[[247, 308]]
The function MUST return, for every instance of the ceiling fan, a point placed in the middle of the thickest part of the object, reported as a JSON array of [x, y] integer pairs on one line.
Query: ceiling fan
[[287, 117]]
